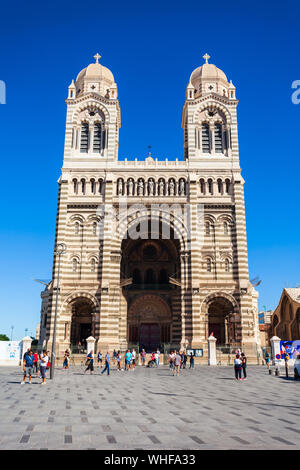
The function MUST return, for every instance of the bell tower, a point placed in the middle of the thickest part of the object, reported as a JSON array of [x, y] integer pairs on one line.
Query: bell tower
[[93, 116], [209, 116]]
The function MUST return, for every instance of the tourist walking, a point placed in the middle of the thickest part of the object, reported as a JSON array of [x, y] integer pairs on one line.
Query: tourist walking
[[192, 361], [156, 359], [158, 356], [177, 363], [66, 359], [244, 366], [171, 360], [267, 359], [114, 356], [238, 367], [143, 357], [99, 359], [90, 362], [107, 364], [27, 366], [44, 360]]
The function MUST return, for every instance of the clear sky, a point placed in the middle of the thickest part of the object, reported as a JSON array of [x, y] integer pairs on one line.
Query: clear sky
[[151, 48]]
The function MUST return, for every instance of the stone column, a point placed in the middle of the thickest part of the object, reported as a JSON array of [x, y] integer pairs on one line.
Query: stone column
[[90, 344], [212, 351], [275, 347], [26, 344]]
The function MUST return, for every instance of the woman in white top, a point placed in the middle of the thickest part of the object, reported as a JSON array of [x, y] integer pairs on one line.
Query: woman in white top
[[238, 367], [44, 359]]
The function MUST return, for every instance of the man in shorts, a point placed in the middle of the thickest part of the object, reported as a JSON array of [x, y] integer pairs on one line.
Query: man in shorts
[[28, 366], [127, 360], [133, 358], [177, 362], [143, 357]]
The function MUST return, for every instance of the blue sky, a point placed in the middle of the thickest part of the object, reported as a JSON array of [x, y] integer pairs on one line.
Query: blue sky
[[151, 48]]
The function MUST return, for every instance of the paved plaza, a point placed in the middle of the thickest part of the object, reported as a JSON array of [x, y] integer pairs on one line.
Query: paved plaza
[[204, 408]]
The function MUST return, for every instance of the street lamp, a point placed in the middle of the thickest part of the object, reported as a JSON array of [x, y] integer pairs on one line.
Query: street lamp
[[59, 250], [12, 329]]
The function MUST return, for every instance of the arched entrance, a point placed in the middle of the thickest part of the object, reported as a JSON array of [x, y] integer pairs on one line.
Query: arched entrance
[[149, 322], [81, 321], [220, 319]]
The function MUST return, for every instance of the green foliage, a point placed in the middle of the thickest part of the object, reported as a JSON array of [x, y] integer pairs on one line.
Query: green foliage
[[4, 338]]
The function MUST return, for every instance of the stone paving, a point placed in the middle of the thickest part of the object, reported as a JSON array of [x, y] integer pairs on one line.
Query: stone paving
[[204, 408]]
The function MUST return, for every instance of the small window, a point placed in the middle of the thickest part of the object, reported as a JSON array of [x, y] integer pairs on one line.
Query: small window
[[84, 143], [93, 265], [205, 138], [208, 265], [225, 228], [74, 265], [76, 228], [218, 138], [227, 266], [97, 138], [207, 228], [94, 228]]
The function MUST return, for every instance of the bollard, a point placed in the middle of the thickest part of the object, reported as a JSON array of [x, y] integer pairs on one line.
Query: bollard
[[270, 372]]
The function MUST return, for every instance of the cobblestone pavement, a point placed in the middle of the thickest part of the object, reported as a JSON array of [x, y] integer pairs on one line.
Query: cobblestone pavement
[[204, 408]]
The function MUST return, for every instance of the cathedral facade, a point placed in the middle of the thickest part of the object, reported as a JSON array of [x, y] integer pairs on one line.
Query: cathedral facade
[[156, 251]]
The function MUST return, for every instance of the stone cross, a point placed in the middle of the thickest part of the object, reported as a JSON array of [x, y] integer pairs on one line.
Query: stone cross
[[97, 57], [206, 57]]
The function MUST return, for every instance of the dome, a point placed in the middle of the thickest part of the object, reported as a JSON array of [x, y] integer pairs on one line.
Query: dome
[[96, 71], [208, 72]]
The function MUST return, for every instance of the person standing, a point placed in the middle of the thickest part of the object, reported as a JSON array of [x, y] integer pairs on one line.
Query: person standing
[[156, 359], [171, 360], [177, 363], [36, 363], [90, 362], [184, 360], [119, 357], [244, 365], [143, 357], [127, 360], [114, 356], [238, 367], [107, 364], [267, 359], [158, 356], [192, 361], [133, 358], [27, 366], [44, 359], [286, 358]]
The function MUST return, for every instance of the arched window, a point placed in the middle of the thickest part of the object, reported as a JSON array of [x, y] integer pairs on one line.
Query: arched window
[[97, 138], [227, 186], [150, 277], [225, 225], [163, 277], [100, 181], [93, 186], [76, 228], [220, 186], [94, 228], [93, 265], [218, 138], [207, 228], [227, 265], [208, 265], [202, 186], [83, 186], [75, 187], [210, 186], [84, 142], [74, 265], [205, 138]]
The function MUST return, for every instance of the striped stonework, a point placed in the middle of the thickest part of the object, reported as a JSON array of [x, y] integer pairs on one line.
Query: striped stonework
[[122, 280]]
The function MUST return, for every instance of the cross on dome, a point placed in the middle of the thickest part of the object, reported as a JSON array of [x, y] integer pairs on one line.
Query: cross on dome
[[206, 57], [97, 57]]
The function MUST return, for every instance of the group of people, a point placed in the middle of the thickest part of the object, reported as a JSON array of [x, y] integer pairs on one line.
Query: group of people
[[129, 361], [240, 364], [35, 362], [178, 360]]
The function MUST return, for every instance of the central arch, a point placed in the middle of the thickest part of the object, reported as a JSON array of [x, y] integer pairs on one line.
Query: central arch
[[149, 322]]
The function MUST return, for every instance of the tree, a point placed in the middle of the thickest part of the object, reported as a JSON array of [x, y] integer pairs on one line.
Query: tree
[[4, 338]]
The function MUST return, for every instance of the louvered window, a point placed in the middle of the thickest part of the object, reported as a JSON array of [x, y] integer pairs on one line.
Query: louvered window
[[84, 142], [218, 138], [205, 138], [97, 138]]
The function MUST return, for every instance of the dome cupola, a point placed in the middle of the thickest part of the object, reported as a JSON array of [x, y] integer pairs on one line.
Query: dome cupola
[[96, 78], [209, 79]]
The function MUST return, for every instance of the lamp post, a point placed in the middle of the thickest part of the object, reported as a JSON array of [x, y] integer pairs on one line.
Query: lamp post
[[59, 250], [12, 329]]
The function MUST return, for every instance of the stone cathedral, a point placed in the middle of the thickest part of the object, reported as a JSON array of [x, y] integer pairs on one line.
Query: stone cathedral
[[151, 290]]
